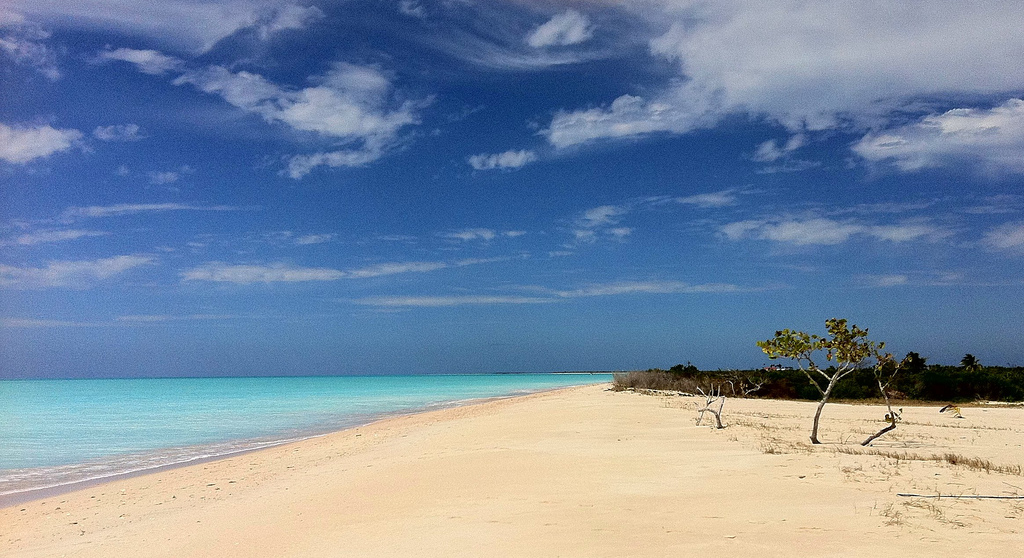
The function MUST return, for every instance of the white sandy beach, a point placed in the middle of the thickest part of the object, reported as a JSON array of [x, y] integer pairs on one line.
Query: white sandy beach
[[575, 472]]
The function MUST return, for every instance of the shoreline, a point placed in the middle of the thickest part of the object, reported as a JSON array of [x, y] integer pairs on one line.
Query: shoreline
[[15, 497], [578, 471]]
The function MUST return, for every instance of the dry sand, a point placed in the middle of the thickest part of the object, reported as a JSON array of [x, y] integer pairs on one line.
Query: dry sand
[[575, 472]]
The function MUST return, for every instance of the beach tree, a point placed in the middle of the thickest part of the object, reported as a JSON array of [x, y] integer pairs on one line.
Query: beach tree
[[970, 363], [847, 347]]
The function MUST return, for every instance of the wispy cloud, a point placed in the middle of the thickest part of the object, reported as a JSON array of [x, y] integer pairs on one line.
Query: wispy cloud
[[118, 132], [120, 321], [597, 221], [147, 61], [507, 160], [648, 287], [75, 274], [472, 234], [244, 274], [444, 301], [628, 116], [551, 296], [481, 234], [308, 239], [121, 209], [771, 151], [412, 8], [824, 231], [567, 28], [220, 272], [722, 198], [289, 17], [20, 145], [165, 318], [50, 236], [395, 268], [30, 323], [25, 44], [185, 24], [1009, 236]]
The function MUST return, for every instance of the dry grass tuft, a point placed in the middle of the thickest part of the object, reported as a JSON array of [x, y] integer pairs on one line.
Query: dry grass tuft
[[653, 380], [957, 460]]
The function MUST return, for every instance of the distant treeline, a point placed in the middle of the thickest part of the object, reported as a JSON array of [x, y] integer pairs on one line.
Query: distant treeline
[[920, 382]]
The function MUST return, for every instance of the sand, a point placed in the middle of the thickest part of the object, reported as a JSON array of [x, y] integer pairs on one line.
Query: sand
[[575, 472]]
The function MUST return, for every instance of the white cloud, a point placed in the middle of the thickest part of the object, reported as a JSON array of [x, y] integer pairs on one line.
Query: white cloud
[[507, 160], [992, 137], [117, 132], [20, 145], [823, 231], [567, 28], [1008, 236], [808, 65], [349, 104], [50, 236], [147, 61], [120, 209], [69, 273]]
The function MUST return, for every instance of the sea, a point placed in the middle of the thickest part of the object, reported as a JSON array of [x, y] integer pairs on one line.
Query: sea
[[58, 434]]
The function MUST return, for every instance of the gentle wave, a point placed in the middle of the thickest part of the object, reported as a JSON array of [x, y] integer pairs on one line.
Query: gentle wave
[[365, 400]]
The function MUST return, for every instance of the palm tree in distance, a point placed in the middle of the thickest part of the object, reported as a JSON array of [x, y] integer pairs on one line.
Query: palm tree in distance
[[970, 363]]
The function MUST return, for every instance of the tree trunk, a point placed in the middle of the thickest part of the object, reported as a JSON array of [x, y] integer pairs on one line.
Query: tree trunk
[[892, 415], [892, 426], [817, 415], [821, 405]]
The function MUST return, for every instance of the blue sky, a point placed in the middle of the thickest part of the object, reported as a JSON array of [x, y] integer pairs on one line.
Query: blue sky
[[269, 187]]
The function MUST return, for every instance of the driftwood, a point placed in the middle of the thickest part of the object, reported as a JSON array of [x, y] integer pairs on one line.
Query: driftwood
[[712, 395]]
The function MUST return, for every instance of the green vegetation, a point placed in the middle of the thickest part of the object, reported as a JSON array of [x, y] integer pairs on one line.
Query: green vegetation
[[916, 382]]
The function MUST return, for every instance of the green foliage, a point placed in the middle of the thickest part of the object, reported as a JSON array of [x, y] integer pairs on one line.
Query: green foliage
[[970, 363], [848, 347], [923, 382]]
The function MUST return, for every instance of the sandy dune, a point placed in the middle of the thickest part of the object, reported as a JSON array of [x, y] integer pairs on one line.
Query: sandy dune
[[576, 472]]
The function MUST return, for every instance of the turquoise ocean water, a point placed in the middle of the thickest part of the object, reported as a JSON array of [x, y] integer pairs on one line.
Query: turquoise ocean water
[[59, 432]]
